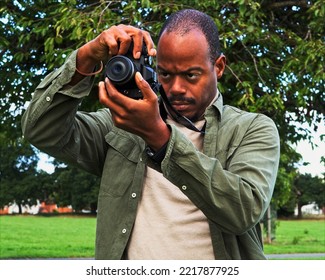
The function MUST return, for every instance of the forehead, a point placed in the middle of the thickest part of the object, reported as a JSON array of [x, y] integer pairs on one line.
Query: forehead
[[186, 49]]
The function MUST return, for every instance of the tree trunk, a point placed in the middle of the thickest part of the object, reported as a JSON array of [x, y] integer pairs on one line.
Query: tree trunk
[[299, 211], [93, 208], [20, 208]]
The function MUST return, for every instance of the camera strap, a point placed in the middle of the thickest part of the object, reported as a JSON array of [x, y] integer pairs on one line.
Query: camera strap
[[176, 115]]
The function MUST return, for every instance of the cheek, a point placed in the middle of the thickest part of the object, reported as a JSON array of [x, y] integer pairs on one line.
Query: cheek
[[165, 83], [207, 92]]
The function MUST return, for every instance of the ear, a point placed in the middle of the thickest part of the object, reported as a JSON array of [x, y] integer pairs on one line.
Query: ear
[[220, 65]]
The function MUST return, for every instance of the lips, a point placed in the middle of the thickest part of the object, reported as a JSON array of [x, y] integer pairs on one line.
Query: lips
[[180, 106], [181, 103]]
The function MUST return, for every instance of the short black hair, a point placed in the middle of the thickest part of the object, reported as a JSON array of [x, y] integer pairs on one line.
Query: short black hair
[[183, 21]]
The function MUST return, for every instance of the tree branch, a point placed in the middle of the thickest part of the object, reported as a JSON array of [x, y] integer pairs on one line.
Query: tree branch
[[281, 4]]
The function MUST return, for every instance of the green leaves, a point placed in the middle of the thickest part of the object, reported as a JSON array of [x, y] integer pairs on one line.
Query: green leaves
[[275, 54]]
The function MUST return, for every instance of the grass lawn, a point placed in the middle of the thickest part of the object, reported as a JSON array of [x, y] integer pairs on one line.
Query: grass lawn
[[23, 237], [47, 237], [298, 236]]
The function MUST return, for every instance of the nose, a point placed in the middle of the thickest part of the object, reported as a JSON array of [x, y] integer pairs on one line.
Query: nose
[[177, 86]]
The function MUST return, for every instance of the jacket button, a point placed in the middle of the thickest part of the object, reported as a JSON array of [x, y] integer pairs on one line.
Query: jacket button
[[48, 99], [124, 230], [134, 195], [184, 188]]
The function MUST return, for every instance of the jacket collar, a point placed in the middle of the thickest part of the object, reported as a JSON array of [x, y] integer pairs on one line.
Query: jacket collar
[[217, 104]]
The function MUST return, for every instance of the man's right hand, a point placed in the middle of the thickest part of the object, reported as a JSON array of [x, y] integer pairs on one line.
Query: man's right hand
[[114, 41]]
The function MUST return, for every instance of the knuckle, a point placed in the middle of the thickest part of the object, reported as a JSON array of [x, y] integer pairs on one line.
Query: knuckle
[[132, 108], [146, 33], [155, 98], [116, 120], [138, 32]]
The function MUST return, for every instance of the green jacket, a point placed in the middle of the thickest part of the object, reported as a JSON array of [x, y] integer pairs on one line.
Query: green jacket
[[232, 181]]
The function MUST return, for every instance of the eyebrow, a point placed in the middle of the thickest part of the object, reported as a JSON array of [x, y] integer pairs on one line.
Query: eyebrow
[[194, 68]]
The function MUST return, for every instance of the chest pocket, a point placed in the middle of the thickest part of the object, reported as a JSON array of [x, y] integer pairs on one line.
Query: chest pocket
[[231, 134], [121, 161]]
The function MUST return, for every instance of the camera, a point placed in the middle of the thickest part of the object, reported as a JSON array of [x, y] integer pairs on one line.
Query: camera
[[120, 70]]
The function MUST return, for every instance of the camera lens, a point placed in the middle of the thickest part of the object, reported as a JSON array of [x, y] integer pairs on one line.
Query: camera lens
[[120, 70]]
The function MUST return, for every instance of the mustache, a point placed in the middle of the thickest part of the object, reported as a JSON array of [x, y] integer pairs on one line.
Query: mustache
[[184, 99]]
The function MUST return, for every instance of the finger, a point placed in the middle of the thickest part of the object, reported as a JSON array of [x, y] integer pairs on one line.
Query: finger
[[115, 98], [126, 34], [137, 43], [139, 37], [113, 46], [124, 43], [109, 38], [145, 88], [105, 100], [149, 43], [102, 94], [109, 97], [117, 40]]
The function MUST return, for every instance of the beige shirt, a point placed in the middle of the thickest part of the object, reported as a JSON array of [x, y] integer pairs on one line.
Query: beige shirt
[[168, 225]]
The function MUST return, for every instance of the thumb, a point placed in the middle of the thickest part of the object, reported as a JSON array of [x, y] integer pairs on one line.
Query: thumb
[[144, 86]]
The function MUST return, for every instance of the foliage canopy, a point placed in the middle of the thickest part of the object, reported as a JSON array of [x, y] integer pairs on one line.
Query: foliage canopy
[[275, 56]]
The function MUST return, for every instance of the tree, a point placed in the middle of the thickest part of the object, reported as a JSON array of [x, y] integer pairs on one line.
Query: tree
[[307, 190], [76, 188], [275, 56], [17, 172]]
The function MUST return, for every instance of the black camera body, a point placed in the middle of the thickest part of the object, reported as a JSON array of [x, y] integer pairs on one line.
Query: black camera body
[[120, 70]]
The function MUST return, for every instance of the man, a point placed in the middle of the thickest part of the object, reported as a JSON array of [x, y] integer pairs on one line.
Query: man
[[170, 189]]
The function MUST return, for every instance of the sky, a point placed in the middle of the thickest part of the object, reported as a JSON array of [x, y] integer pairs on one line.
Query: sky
[[313, 156], [315, 168]]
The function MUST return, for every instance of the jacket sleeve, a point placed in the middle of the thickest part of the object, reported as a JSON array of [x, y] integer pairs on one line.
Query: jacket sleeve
[[234, 192], [53, 124]]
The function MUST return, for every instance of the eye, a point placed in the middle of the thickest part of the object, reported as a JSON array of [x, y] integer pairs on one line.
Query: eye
[[163, 74], [192, 76]]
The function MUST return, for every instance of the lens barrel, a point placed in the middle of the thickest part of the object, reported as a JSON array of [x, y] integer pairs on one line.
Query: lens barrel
[[120, 70]]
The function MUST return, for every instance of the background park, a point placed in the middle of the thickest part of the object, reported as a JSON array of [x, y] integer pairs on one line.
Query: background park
[[275, 65]]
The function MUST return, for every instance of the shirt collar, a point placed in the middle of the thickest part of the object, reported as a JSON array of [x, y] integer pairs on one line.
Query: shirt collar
[[217, 102]]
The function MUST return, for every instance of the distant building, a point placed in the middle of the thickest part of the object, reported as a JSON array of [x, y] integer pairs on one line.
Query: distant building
[[310, 209], [40, 207]]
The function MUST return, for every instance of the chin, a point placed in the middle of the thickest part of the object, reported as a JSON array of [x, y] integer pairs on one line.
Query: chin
[[193, 118]]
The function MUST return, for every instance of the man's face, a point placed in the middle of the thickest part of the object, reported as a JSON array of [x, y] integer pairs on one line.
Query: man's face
[[186, 72]]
